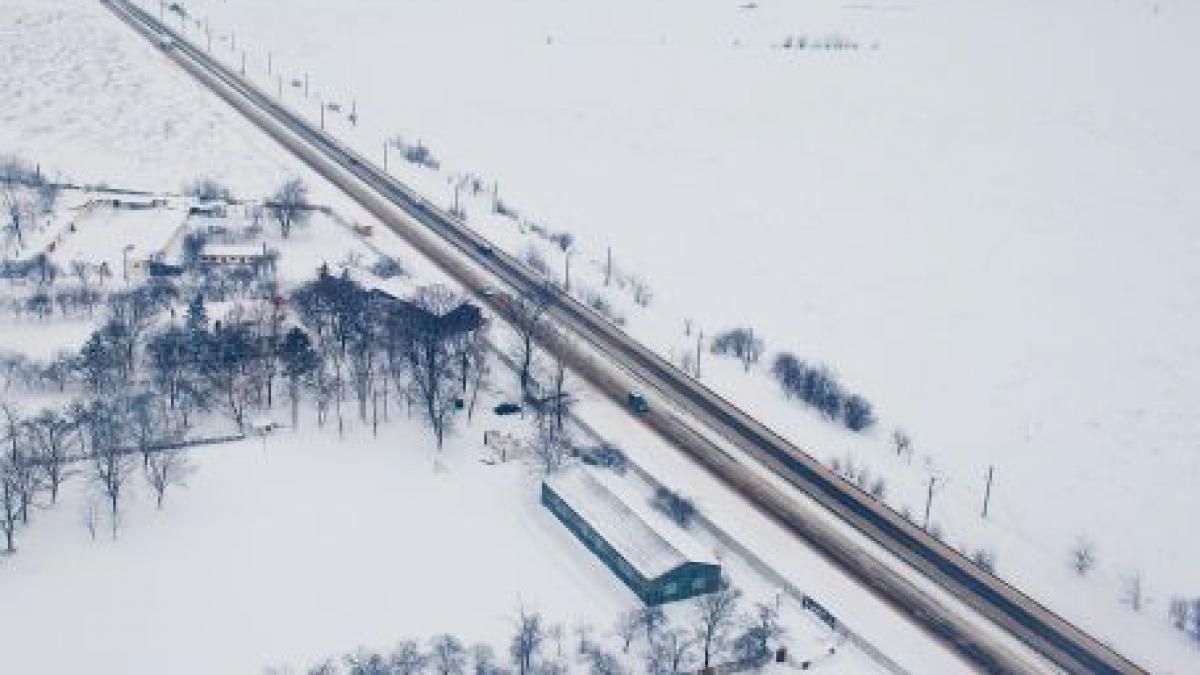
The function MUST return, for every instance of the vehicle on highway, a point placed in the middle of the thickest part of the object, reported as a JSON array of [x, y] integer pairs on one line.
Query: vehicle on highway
[[637, 402], [487, 249]]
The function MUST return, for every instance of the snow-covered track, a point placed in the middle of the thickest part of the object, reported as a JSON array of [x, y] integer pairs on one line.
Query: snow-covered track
[[476, 263]]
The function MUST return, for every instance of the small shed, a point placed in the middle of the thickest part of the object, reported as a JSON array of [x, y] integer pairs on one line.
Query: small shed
[[207, 210], [655, 569]]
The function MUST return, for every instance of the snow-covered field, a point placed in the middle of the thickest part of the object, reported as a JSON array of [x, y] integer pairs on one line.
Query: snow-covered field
[[980, 216], [983, 217]]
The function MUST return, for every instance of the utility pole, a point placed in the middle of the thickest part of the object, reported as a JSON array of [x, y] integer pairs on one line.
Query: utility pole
[[279, 86], [270, 66], [305, 85], [567, 272], [322, 113], [232, 41], [162, 11], [243, 63], [699, 345], [385, 144], [929, 502], [987, 492], [208, 34], [608, 268]]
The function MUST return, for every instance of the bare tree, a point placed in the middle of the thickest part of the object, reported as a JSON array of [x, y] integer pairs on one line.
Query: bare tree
[[627, 627], [483, 660], [1083, 556], [715, 613], [652, 619], [550, 444], [526, 316], [583, 633], [111, 465], [642, 294], [601, 662], [527, 640], [763, 628], [165, 468], [1177, 612], [207, 189], [20, 209], [407, 659], [51, 432], [366, 662], [480, 372], [24, 473], [431, 359], [10, 502], [289, 205], [1132, 594], [447, 655], [670, 653]]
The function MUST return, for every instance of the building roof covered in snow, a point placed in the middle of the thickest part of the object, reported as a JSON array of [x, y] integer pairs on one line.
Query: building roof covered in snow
[[631, 537], [234, 252]]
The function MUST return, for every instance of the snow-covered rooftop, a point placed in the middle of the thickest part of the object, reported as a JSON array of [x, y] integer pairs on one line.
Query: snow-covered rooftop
[[244, 250], [643, 547]]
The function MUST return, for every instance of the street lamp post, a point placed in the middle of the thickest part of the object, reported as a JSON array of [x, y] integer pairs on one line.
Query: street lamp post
[[125, 262]]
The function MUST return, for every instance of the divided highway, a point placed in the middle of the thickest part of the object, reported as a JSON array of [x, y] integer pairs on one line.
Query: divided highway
[[470, 258]]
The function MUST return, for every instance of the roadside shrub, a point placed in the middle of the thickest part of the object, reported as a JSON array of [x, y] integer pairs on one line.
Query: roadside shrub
[[534, 259], [818, 387], [857, 414], [503, 209], [387, 267], [207, 189], [985, 559], [740, 343]]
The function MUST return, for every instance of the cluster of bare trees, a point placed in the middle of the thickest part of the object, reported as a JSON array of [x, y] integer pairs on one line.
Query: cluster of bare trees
[[101, 440], [142, 377], [740, 343], [430, 350], [25, 195], [818, 387], [717, 633], [860, 475], [536, 356]]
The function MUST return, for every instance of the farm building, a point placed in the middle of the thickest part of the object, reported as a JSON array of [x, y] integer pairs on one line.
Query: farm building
[[234, 255], [654, 569]]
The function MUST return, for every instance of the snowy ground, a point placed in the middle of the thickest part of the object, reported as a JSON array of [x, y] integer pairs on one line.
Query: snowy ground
[[982, 217], [1015, 316]]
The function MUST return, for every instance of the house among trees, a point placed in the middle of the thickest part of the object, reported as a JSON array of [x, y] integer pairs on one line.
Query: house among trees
[[656, 570]]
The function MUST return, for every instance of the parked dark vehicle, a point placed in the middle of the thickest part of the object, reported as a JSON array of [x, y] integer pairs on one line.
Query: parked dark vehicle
[[507, 409]]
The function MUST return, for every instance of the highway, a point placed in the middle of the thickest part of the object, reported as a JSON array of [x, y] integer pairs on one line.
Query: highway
[[614, 363]]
